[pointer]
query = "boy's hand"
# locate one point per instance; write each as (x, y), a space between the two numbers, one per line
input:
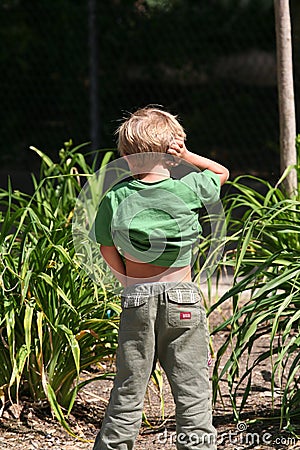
(178, 148)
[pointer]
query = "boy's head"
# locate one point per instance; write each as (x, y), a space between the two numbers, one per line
(148, 130)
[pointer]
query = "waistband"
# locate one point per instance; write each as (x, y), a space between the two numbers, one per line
(158, 287)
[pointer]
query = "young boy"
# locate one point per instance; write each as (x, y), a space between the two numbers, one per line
(146, 227)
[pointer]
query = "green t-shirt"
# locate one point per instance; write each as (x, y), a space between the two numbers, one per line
(156, 222)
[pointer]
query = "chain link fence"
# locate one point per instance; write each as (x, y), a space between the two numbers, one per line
(72, 69)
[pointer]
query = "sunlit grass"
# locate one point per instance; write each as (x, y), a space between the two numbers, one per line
(264, 225)
(53, 318)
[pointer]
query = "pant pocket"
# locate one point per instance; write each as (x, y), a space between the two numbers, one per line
(184, 308)
(135, 312)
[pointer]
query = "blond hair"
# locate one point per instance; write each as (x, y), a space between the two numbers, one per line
(148, 129)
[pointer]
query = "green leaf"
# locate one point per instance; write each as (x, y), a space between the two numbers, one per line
(57, 289)
(58, 411)
(73, 344)
(28, 326)
(43, 156)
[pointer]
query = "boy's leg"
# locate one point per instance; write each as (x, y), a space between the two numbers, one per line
(134, 362)
(183, 353)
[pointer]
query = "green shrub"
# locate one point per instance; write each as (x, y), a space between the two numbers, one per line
(54, 319)
(265, 226)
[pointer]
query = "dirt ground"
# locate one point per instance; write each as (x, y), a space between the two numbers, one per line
(37, 429)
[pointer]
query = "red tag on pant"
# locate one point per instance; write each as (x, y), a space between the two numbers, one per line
(185, 315)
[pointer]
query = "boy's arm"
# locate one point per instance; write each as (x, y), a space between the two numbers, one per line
(178, 148)
(113, 259)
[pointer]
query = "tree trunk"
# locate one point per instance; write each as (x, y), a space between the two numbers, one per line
(285, 83)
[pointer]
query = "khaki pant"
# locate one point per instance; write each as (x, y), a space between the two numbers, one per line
(164, 321)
